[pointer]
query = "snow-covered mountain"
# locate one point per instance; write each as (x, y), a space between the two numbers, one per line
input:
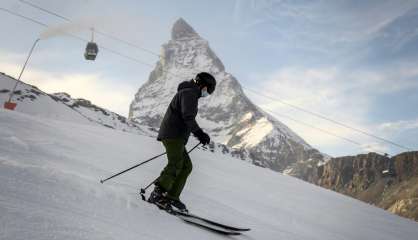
(61, 106)
(49, 189)
(228, 115)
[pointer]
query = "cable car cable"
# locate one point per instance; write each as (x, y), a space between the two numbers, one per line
(81, 39)
(324, 131)
(328, 119)
(22, 16)
(108, 35)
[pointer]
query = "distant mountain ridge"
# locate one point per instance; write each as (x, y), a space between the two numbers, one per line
(62, 106)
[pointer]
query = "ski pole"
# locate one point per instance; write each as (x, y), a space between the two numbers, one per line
(137, 165)
(143, 190)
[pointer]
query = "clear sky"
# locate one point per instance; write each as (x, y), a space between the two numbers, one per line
(352, 61)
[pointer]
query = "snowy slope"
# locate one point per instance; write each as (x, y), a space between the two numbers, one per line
(102, 116)
(228, 115)
(61, 106)
(31, 100)
(49, 189)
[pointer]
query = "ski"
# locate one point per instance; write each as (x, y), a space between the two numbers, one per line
(210, 222)
(203, 222)
(198, 222)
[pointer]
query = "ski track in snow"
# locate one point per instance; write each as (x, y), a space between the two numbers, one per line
(49, 189)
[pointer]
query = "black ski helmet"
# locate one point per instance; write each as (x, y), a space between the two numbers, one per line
(207, 80)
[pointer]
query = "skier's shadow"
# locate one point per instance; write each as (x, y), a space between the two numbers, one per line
(242, 236)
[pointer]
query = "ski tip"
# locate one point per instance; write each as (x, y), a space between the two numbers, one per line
(101, 181)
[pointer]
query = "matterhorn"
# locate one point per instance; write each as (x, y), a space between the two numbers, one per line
(227, 115)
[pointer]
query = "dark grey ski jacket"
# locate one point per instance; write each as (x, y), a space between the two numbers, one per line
(179, 119)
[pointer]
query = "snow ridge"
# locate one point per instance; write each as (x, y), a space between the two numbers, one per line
(61, 106)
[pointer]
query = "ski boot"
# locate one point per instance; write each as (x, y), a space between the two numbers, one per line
(159, 198)
(177, 205)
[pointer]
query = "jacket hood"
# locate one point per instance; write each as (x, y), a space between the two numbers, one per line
(187, 84)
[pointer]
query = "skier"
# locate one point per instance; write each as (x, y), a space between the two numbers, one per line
(179, 121)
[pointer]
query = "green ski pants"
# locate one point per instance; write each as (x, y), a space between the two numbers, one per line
(174, 175)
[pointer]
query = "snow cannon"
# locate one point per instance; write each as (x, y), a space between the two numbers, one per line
(91, 49)
(10, 105)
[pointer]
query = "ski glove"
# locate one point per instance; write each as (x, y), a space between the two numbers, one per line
(202, 136)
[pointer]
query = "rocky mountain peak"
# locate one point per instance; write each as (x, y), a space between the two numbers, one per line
(227, 115)
(182, 30)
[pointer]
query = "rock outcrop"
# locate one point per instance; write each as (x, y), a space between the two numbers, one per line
(389, 183)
